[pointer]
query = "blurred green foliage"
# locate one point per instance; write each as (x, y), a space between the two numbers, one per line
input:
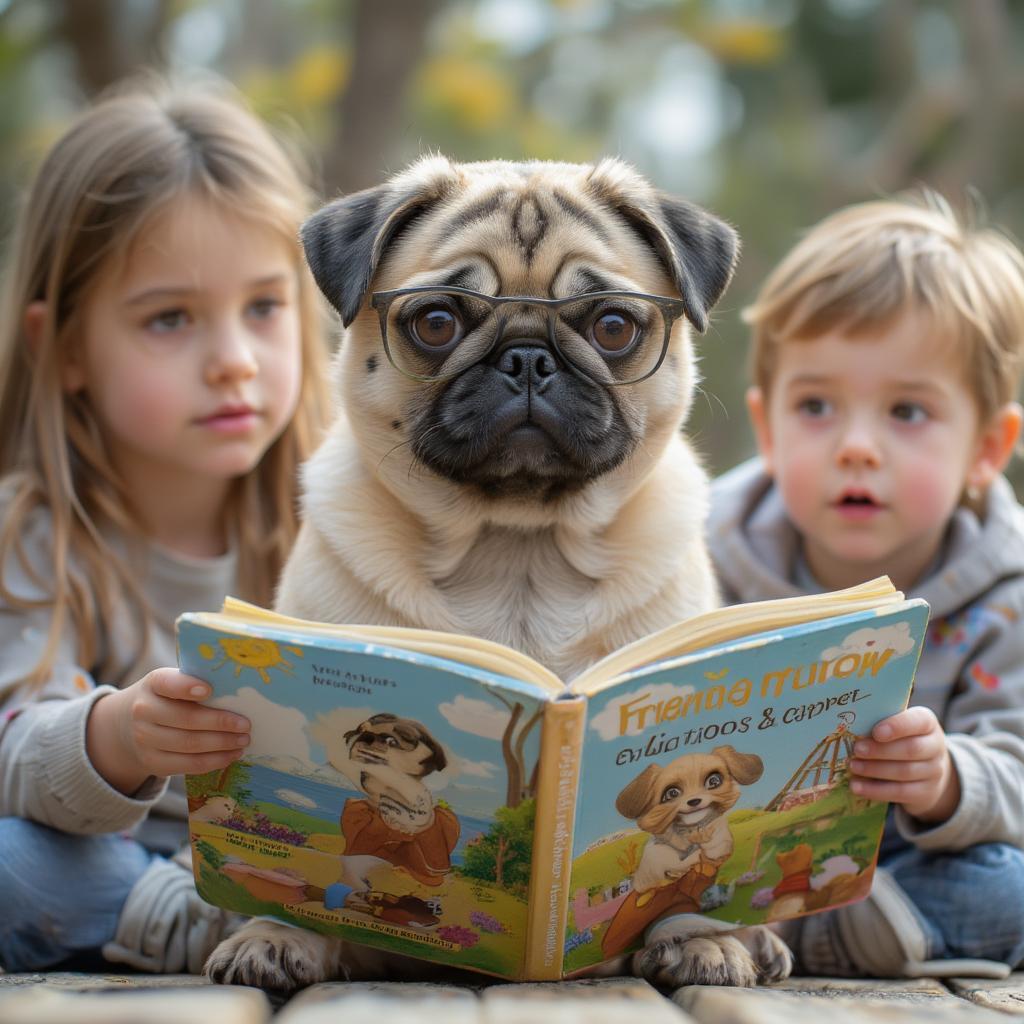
(769, 112)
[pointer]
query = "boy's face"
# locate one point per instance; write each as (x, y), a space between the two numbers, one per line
(872, 441)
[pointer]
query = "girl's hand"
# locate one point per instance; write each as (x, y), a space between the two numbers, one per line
(159, 726)
(906, 760)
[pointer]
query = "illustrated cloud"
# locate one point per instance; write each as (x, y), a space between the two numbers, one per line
(861, 641)
(476, 716)
(276, 731)
(607, 722)
(289, 796)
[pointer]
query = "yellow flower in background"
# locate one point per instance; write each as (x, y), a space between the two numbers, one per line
(476, 94)
(316, 78)
(319, 75)
(265, 90)
(743, 41)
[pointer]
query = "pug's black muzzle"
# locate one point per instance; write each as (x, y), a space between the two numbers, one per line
(522, 424)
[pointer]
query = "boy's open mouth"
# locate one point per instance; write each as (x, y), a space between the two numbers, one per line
(857, 501)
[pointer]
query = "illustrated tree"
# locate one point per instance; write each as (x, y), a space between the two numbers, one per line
(211, 855)
(502, 854)
(229, 781)
(513, 741)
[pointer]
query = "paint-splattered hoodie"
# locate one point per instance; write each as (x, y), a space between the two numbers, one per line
(971, 672)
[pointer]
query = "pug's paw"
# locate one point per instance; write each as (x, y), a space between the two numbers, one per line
(769, 952)
(269, 955)
(741, 958)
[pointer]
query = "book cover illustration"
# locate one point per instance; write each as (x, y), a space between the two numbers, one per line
(385, 797)
(421, 805)
(718, 785)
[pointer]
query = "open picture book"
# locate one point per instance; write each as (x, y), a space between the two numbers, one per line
(448, 798)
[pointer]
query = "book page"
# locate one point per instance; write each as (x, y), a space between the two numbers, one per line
(717, 785)
(467, 650)
(385, 797)
(732, 623)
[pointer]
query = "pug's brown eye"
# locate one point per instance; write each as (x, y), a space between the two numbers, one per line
(614, 331)
(436, 327)
(672, 793)
(713, 781)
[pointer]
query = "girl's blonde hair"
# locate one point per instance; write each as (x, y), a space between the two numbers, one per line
(860, 268)
(101, 184)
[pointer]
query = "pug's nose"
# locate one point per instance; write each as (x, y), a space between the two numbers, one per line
(527, 365)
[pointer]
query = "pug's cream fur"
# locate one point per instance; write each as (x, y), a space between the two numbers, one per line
(566, 555)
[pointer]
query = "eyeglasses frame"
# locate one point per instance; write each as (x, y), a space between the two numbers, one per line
(672, 310)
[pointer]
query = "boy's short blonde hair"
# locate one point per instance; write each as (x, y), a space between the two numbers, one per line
(861, 267)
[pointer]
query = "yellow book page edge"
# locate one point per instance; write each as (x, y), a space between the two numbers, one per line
(733, 623)
(551, 857)
(466, 650)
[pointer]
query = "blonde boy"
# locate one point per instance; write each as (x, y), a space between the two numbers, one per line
(887, 350)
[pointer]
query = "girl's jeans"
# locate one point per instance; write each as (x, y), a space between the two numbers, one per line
(971, 902)
(61, 894)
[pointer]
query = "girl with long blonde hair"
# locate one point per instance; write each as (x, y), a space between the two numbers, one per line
(161, 378)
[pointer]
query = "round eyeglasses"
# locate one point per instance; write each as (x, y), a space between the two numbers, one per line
(612, 337)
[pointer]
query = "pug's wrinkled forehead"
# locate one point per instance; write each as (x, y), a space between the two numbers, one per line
(538, 228)
(529, 238)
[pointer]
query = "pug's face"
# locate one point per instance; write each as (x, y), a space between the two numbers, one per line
(517, 402)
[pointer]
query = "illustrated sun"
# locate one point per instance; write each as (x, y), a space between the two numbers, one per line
(251, 652)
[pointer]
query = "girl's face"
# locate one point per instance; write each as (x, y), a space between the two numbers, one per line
(190, 349)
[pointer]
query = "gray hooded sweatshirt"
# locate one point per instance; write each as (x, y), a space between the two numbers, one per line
(971, 672)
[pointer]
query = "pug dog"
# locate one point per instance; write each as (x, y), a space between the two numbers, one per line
(508, 458)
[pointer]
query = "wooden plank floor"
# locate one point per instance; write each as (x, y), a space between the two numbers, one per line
(180, 999)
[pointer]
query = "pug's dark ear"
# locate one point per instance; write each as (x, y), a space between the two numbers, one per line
(704, 251)
(345, 240)
(698, 250)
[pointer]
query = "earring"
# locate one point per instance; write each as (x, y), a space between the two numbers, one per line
(973, 494)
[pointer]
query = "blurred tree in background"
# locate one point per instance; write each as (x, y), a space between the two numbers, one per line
(770, 112)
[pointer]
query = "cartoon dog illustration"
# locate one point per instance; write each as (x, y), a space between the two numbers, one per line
(398, 821)
(683, 806)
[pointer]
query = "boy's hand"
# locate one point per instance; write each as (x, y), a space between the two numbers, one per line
(906, 760)
(158, 726)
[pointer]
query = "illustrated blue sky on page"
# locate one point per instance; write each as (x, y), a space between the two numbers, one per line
(301, 709)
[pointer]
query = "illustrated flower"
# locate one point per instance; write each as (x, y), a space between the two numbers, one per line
(762, 898)
(459, 935)
(260, 825)
(578, 939)
(485, 922)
